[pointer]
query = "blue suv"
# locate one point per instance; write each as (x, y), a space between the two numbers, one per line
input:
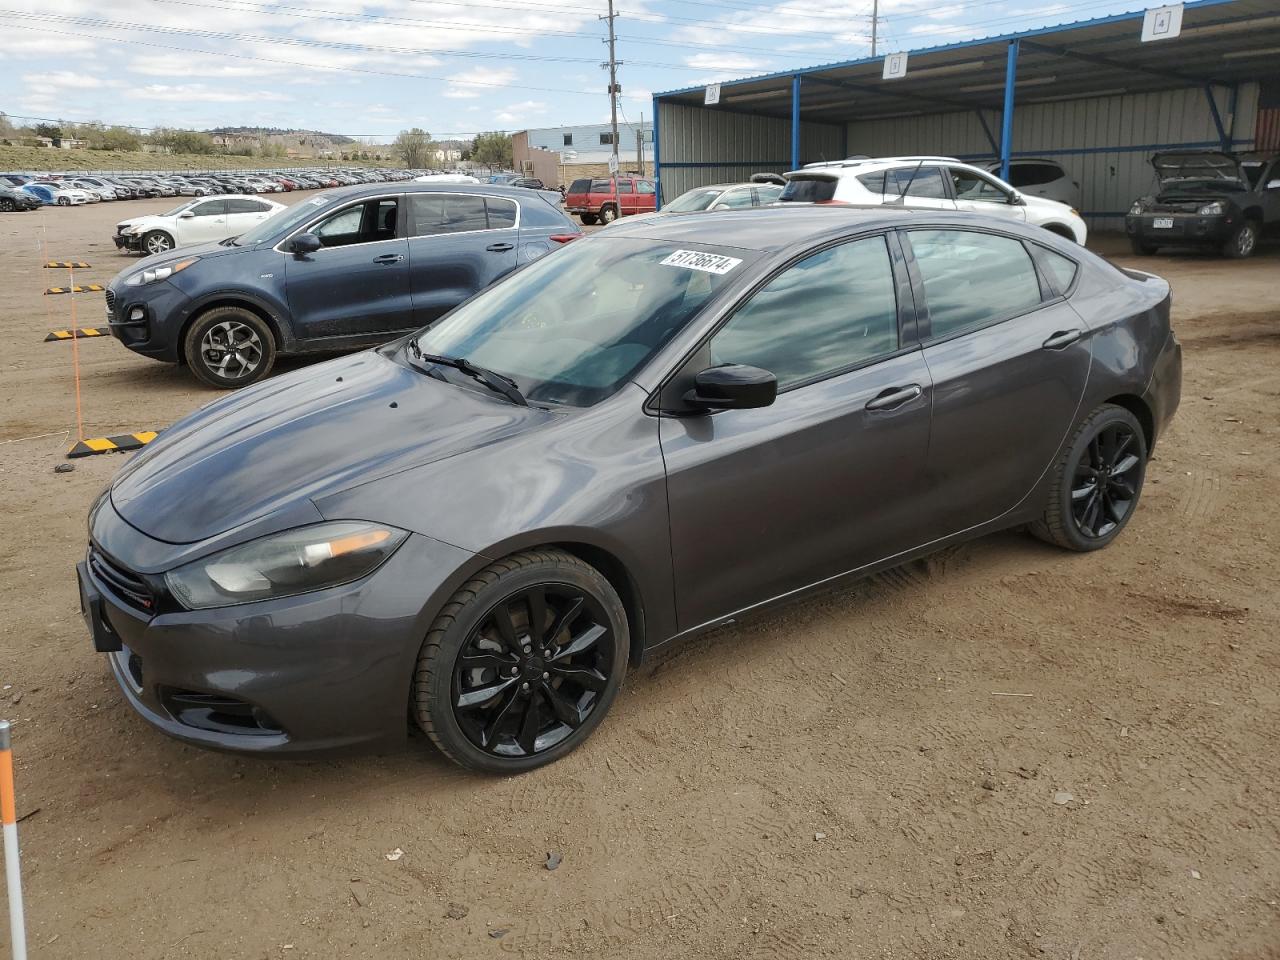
(347, 269)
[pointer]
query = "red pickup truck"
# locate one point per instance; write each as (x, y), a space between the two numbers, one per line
(598, 201)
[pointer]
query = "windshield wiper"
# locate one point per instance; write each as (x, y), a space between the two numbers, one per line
(494, 381)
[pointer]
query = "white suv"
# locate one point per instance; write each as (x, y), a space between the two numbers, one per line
(940, 183)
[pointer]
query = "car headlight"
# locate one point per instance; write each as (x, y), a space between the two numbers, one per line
(285, 564)
(1215, 208)
(158, 273)
(1137, 208)
(135, 230)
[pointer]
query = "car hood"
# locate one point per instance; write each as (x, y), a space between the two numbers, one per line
(1045, 204)
(204, 251)
(149, 220)
(302, 436)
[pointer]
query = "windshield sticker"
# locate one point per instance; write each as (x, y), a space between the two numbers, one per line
(696, 260)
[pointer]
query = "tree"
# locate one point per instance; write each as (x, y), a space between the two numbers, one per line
(413, 147)
(48, 130)
(492, 150)
(6, 128)
(183, 141)
(121, 138)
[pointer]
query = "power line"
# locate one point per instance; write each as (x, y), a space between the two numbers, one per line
(447, 135)
(297, 63)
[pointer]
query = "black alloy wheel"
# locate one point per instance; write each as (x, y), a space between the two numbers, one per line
(1097, 483)
(1243, 242)
(1105, 487)
(6, 205)
(532, 671)
(523, 663)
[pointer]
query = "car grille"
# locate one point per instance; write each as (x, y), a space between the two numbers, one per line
(111, 299)
(218, 713)
(1170, 206)
(125, 584)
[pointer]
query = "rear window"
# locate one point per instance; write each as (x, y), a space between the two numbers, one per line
(580, 186)
(538, 213)
(873, 181)
(807, 190)
(1033, 174)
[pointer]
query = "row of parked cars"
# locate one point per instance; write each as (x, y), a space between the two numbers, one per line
(76, 189)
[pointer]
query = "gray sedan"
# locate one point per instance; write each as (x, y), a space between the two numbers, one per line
(645, 434)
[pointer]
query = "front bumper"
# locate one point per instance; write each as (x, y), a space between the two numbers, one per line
(1185, 228)
(124, 241)
(163, 309)
(325, 671)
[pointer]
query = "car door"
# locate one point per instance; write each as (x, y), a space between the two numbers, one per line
(1269, 190)
(979, 193)
(245, 213)
(459, 243)
(1009, 359)
(766, 501)
(357, 284)
(207, 221)
(646, 196)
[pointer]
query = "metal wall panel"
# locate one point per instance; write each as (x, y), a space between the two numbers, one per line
(1105, 143)
(697, 146)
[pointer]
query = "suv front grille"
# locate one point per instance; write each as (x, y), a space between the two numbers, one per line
(111, 300)
(125, 584)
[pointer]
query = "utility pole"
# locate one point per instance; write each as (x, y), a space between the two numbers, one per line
(614, 89)
(640, 146)
(875, 22)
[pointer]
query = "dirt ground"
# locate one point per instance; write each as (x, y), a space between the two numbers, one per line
(850, 777)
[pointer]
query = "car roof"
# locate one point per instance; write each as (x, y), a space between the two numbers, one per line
(779, 227)
(414, 186)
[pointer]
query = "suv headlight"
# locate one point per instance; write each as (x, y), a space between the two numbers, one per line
(158, 273)
(285, 564)
(1214, 208)
(1137, 208)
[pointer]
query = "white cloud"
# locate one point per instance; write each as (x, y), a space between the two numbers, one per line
(469, 84)
(62, 80)
(728, 62)
(202, 93)
(520, 112)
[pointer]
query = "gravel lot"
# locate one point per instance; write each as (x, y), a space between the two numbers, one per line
(837, 779)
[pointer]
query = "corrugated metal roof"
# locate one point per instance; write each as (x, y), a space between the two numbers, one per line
(1222, 41)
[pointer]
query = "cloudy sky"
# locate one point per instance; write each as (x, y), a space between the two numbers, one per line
(373, 68)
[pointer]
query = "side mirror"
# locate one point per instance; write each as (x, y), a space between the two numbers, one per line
(186, 215)
(305, 243)
(733, 386)
(1273, 185)
(1017, 200)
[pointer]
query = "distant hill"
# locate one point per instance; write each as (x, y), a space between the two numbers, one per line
(279, 132)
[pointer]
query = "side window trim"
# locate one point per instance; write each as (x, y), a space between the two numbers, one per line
(1048, 279)
(412, 233)
(926, 338)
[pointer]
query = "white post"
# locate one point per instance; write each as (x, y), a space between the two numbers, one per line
(12, 872)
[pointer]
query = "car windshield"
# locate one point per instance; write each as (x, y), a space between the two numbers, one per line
(575, 325)
(693, 200)
(282, 221)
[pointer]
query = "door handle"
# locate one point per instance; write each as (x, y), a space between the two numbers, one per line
(894, 397)
(500, 247)
(389, 258)
(1063, 338)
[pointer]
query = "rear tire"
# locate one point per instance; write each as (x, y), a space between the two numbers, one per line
(548, 684)
(1243, 242)
(229, 347)
(588, 219)
(1097, 483)
(6, 205)
(1141, 248)
(608, 213)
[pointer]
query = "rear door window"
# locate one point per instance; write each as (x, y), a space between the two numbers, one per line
(915, 182)
(809, 190)
(436, 213)
(602, 186)
(502, 213)
(971, 279)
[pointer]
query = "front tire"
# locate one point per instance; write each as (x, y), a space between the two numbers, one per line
(229, 347)
(157, 241)
(6, 205)
(1097, 483)
(522, 663)
(64, 202)
(1243, 242)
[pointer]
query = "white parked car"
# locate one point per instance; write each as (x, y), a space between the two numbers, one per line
(941, 183)
(202, 220)
(95, 191)
(716, 196)
(1040, 178)
(47, 192)
(68, 187)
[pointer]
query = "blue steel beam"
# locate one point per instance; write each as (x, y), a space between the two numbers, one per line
(657, 163)
(986, 128)
(1223, 137)
(1006, 121)
(795, 122)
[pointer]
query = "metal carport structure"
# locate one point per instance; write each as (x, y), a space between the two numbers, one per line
(1089, 91)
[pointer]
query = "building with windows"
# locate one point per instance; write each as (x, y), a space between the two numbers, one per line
(557, 155)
